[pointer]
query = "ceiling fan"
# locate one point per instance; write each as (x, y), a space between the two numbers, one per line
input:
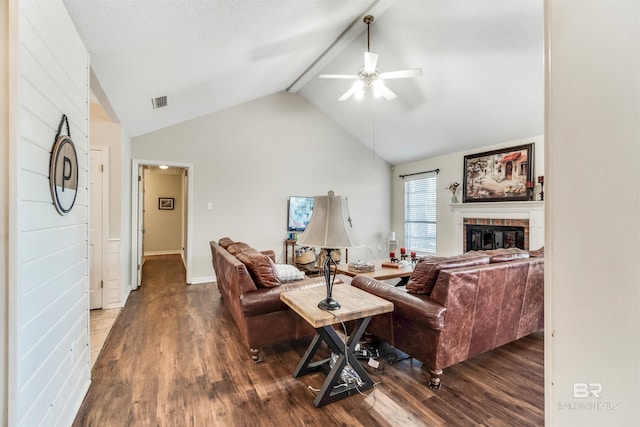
(369, 77)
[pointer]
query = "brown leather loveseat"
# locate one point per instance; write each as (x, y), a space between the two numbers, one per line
(251, 291)
(463, 309)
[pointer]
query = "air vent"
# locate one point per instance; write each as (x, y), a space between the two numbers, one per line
(159, 102)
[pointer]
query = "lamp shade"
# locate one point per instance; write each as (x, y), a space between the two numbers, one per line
(329, 226)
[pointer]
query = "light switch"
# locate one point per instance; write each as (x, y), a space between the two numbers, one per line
(209, 205)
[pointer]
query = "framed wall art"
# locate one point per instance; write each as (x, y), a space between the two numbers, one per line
(498, 176)
(165, 203)
(63, 170)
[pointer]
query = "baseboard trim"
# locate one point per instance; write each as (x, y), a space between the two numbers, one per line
(125, 296)
(112, 305)
(172, 252)
(202, 279)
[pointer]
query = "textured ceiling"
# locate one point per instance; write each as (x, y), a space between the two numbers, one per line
(482, 64)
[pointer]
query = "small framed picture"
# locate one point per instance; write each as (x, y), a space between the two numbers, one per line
(165, 203)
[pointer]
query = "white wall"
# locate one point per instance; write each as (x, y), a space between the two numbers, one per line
(451, 169)
(4, 200)
(592, 279)
(49, 353)
(105, 133)
(163, 228)
(249, 159)
(105, 130)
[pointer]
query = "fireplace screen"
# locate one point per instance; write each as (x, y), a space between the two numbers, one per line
(486, 237)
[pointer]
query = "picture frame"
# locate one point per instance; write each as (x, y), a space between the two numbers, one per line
(499, 175)
(165, 203)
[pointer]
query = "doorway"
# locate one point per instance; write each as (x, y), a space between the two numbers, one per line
(163, 206)
(163, 211)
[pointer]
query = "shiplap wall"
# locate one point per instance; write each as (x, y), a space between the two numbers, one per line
(52, 362)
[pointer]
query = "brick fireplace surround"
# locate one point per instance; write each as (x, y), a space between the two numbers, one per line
(529, 215)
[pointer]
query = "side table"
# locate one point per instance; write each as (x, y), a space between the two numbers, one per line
(290, 243)
(380, 272)
(357, 305)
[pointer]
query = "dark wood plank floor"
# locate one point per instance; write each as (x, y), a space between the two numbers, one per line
(174, 359)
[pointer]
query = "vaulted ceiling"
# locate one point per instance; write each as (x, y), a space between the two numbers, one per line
(482, 63)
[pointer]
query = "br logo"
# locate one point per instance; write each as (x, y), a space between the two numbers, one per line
(584, 390)
(63, 171)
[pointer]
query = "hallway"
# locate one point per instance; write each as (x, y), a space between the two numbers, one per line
(149, 369)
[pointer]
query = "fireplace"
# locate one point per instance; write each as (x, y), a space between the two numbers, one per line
(487, 237)
(492, 233)
(506, 218)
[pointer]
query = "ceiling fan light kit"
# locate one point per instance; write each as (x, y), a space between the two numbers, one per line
(369, 77)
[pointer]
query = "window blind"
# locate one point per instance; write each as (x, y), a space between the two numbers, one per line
(420, 221)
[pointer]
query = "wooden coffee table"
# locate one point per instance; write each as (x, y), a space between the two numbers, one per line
(380, 272)
(356, 304)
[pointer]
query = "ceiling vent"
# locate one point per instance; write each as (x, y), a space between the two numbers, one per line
(159, 102)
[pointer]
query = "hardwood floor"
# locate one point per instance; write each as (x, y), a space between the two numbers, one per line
(174, 358)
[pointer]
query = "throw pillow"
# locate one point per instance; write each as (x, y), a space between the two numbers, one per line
(424, 275)
(432, 266)
(288, 273)
(236, 247)
(225, 242)
(261, 268)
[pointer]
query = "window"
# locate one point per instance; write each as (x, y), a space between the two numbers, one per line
(420, 213)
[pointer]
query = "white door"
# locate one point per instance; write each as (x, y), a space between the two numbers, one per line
(95, 227)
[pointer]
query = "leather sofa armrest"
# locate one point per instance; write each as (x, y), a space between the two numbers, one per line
(417, 307)
(270, 253)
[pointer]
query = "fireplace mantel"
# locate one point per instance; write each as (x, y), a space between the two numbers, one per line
(533, 211)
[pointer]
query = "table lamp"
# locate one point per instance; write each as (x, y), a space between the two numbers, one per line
(329, 228)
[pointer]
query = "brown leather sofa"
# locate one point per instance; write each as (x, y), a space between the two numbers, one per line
(262, 318)
(470, 310)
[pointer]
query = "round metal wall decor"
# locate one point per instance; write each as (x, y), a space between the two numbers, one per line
(63, 171)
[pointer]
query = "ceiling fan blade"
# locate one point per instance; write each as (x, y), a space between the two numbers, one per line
(337, 76)
(401, 74)
(370, 62)
(347, 94)
(387, 93)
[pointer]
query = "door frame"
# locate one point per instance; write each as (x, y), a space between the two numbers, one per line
(135, 211)
(104, 229)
